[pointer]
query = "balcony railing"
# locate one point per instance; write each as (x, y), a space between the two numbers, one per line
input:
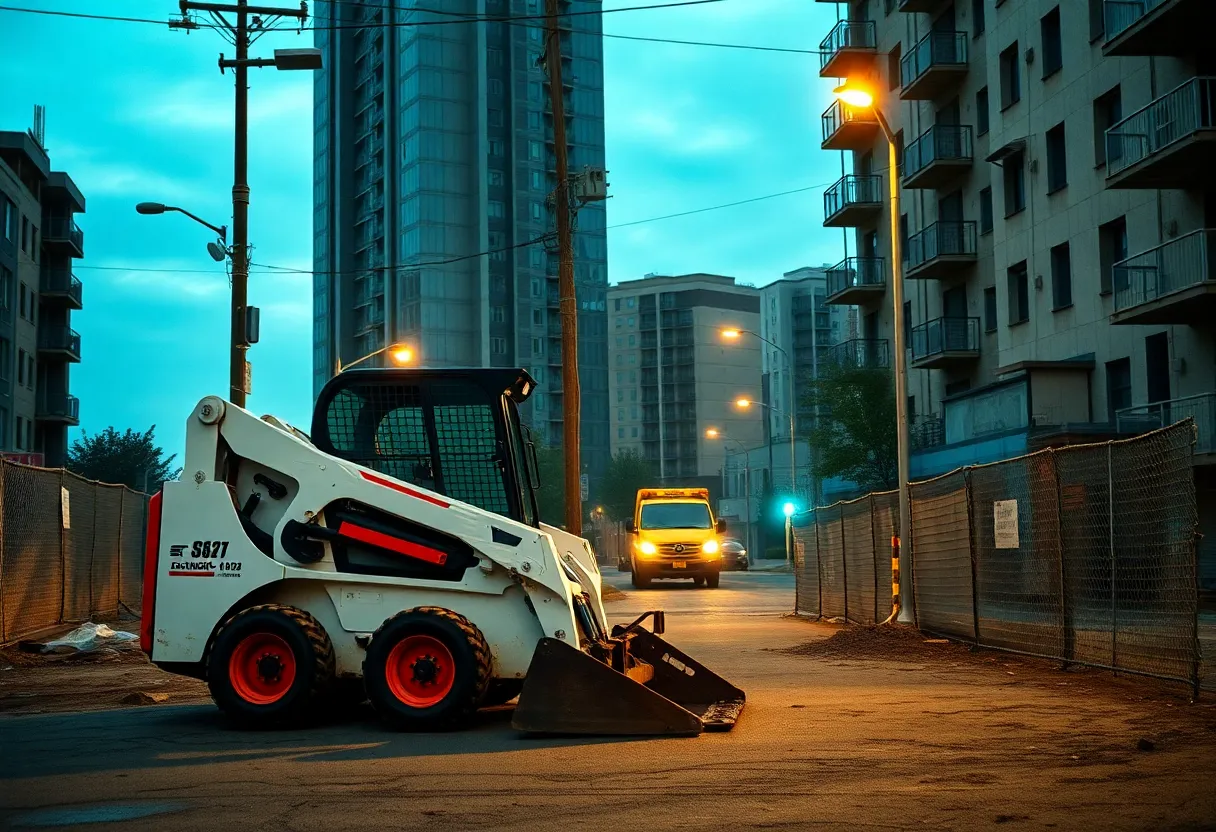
(1164, 271)
(59, 339)
(1145, 417)
(1153, 131)
(851, 197)
(862, 353)
(941, 152)
(61, 283)
(927, 430)
(856, 275)
(934, 62)
(1156, 27)
(58, 407)
(851, 45)
(65, 231)
(942, 239)
(946, 336)
(848, 128)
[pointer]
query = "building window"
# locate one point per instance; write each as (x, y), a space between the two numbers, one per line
(986, 211)
(1011, 78)
(990, 309)
(1057, 159)
(631, 320)
(20, 434)
(893, 60)
(631, 302)
(495, 86)
(6, 288)
(538, 317)
(534, 150)
(1112, 248)
(538, 346)
(1019, 293)
(29, 371)
(537, 180)
(23, 295)
(633, 433)
(496, 118)
(1015, 184)
(493, 57)
(20, 368)
(498, 346)
(496, 148)
(1118, 386)
(977, 15)
(496, 177)
(633, 340)
(907, 321)
(981, 112)
(616, 305)
(496, 209)
(6, 358)
(3, 427)
(620, 322)
(1053, 47)
(1061, 277)
(10, 221)
(1108, 111)
(537, 288)
(537, 211)
(620, 433)
(25, 234)
(498, 314)
(1097, 19)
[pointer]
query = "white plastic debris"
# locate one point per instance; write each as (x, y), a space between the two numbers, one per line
(88, 637)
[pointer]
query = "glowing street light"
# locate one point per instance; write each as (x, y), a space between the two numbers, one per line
(854, 96)
(400, 354)
(788, 509)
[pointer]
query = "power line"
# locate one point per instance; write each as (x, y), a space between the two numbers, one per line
(265, 268)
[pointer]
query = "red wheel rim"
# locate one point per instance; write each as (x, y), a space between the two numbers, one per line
(262, 668)
(420, 671)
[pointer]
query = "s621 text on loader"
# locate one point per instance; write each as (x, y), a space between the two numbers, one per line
(395, 552)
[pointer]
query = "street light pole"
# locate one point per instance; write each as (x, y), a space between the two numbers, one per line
(732, 334)
(857, 97)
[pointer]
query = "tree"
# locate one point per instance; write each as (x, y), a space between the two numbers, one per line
(854, 437)
(627, 472)
(131, 459)
(551, 496)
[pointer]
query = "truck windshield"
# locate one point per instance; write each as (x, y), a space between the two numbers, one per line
(676, 516)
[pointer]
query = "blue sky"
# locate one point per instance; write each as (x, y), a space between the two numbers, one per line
(139, 112)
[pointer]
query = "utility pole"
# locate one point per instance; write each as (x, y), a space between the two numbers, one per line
(565, 282)
(238, 33)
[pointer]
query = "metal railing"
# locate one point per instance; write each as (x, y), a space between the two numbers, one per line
(58, 405)
(944, 238)
(1167, 268)
(936, 49)
(1121, 15)
(848, 34)
(928, 430)
(61, 281)
(60, 338)
(856, 273)
(940, 143)
(852, 190)
(838, 115)
(862, 353)
(1142, 418)
(1179, 113)
(63, 230)
(945, 334)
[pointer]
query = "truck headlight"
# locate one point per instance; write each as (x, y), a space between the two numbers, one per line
(647, 548)
(710, 547)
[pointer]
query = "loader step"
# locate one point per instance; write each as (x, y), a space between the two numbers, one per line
(721, 716)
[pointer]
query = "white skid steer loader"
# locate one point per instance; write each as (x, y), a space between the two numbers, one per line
(395, 553)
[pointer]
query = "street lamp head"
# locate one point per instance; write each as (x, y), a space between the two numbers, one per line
(401, 354)
(712, 433)
(287, 59)
(731, 334)
(854, 95)
(788, 509)
(150, 208)
(218, 253)
(743, 403)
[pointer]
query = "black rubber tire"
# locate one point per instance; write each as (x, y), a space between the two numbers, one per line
(712, 580)
(314, 658)
(502, 691)
(473, 670)
(698, 581)
(639, 579)
(625, 566)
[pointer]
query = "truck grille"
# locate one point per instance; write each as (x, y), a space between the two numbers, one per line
(671, 550)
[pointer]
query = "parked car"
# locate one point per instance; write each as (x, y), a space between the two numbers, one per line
(734, 554)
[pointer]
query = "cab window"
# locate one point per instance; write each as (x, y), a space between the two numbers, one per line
(676, 516)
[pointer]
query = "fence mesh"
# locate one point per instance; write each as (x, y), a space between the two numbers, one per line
(1085, 553)
(52, 575)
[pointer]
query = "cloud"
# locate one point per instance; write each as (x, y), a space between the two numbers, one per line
(208, 105)
(177, 280)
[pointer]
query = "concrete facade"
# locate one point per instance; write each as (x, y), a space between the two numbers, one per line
(433, 167)
(39, 239)
(673, 376)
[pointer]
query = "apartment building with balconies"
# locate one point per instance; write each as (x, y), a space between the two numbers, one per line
(39, 240)
(672, 375)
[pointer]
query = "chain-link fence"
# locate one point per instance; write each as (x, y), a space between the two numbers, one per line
(70, 549)
(1084, 554)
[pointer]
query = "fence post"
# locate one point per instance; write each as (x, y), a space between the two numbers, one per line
(844, 563)
(93, 550)
(875, 550)
(1110, 514)
(122, 499)
(1065, 611)
(3, 620)
(972, 534)
(63, 564)
(818, 568)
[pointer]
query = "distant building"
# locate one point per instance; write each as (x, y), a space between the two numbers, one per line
(39, 239)
(672, 376)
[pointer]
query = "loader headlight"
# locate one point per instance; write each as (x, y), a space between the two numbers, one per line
(710, 547)
(647, 548)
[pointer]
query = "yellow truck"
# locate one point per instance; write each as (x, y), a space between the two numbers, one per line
(673, 535)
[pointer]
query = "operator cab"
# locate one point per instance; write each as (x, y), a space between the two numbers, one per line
(456, 432)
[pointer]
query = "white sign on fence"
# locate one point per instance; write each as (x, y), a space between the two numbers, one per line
(1005, 524)
(65, 507)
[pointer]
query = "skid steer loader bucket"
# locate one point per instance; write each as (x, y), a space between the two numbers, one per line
(662, 692)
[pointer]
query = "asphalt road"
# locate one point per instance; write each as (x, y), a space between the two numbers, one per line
(823, 743)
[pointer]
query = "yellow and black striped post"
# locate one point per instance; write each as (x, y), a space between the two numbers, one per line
(894, 578)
